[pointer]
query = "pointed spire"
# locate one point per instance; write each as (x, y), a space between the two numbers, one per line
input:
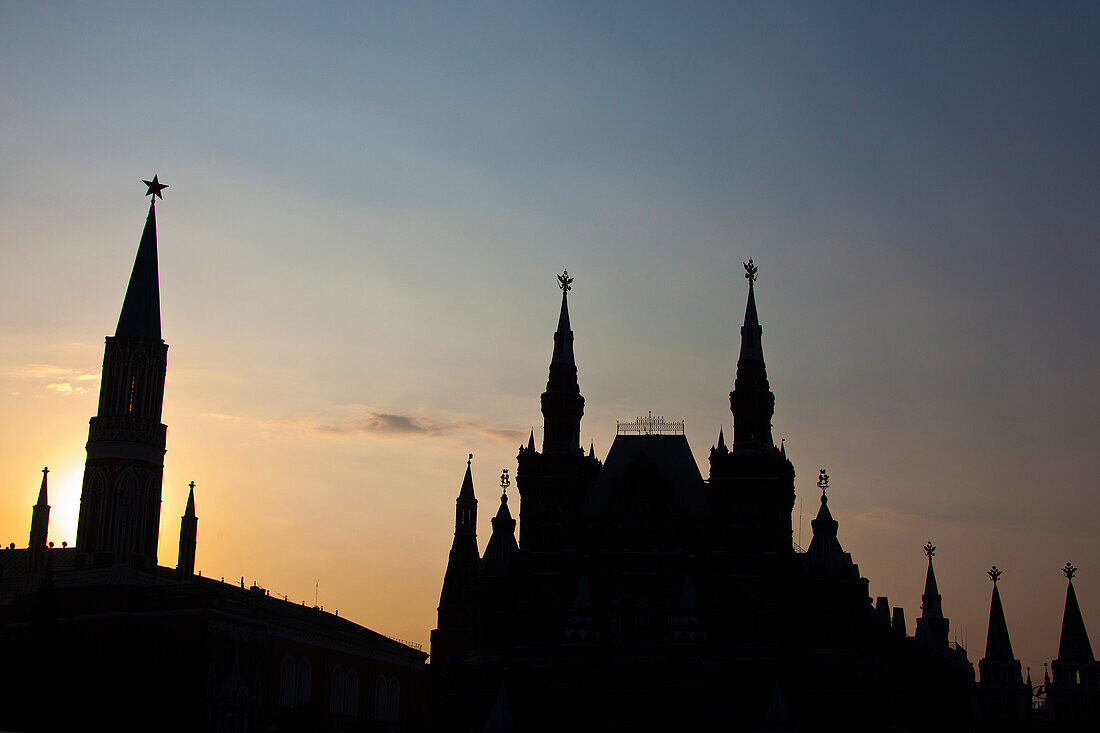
(562, 403)
(998, 647)
(721, 439)
(825, 550)
(931, 601)
(1073, 646)
(592, 449)
(783, 448)
(751, 348)
(751, 400)
(189, 512)
(189, 531)
(140, 316)
(563, 337)
(531, 441)
(42, 489)
(467, 490)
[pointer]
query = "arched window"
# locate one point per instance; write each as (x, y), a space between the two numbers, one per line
(336, 697)
(394, 699)
(286, 682)
(351, 694)
(380, 689)
(302, 684)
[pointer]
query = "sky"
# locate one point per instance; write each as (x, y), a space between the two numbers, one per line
(369, 203)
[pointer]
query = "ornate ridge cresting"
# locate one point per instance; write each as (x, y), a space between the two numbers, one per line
(649, 425)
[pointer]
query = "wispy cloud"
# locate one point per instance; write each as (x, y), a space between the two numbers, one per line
(365, 422)
(59, 379)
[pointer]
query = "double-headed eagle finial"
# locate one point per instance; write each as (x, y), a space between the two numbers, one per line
(750, 270)
(564, 281)
(823, 482)
(1069, 571)
(929, 549)
(994, 574)
(505, 482)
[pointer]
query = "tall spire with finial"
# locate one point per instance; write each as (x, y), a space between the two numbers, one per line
(120, 499)
(751, 400)
(40, 523)
(932, 618)
(1073, 645)
(456, 600)
(140, 316)
(189, 532)
(998, 646)
(562, 403)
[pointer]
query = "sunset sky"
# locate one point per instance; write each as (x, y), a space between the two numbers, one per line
(369, 203)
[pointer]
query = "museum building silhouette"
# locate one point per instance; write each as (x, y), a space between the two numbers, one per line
(99, 635)
(640, 596)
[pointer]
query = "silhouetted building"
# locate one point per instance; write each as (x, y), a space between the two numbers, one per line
(641, 596)
(99, 635)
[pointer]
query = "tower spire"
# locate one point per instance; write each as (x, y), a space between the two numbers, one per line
(121, 494)
(1073, 645)
(931, 617)
(751, 400)
(502, 547)
(40, 523)
(189, 530)
(140, 316)
(998, 647)
(562, 403)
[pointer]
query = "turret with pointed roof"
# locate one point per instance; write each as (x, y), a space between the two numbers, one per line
(501, 548)
(562, 403)
(999, 666)
(40, 522)
(1075, 656)
(932, 623)
(120, 499)
(189, 531)
(825, 555)
(456, 601)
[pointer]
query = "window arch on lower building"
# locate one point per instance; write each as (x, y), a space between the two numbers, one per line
(381, 708)
(303, 683)
(336, 695)
(351, 693)
(286, 682)
(394, 700)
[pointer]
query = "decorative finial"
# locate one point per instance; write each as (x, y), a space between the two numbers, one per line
(45, 470)
(823, 482)
(155, 187)
(564, 281)
(929, 550)
(470, 459)
(750, 270)
(1069, 571)
(505, 482)
(994, 574)
(191, 485)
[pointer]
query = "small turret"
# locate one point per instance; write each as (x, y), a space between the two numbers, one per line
(501, 548)
(932, 622)
(189, 530)
(999, 665)
(40, 523)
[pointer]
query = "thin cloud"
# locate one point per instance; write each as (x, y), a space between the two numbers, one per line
(59, 379)
(388, 425)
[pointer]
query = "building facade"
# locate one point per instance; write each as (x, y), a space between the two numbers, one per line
(640, 596)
